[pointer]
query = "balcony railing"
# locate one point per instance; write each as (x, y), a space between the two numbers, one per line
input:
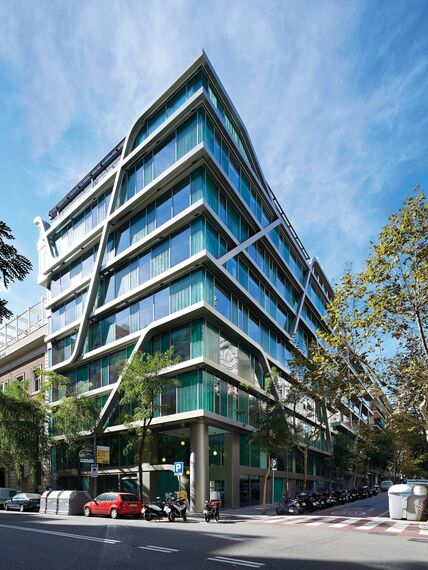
(22, 325)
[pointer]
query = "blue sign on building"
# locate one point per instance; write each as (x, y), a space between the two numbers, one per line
(178, 468)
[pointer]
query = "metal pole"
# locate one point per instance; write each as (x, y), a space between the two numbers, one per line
(95, 460)
(273, 488)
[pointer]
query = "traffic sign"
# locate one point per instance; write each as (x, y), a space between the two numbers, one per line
(94, 470)
(274, 464)
(178, 468)
(103, 454)
(86, 456)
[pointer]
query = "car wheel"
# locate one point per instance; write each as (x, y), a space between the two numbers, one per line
(171, 517)
(21, 508)
(148, 517)
(114, 514)
(87, 512)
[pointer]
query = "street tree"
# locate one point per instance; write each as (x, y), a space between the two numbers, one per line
(74, 419)
(391, 295)
(143, 381)
(273, 433)
(23, 438)
(13, 266)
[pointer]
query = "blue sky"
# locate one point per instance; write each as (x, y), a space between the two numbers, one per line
(333, 94)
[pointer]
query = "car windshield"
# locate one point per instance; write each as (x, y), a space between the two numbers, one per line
(129, 497)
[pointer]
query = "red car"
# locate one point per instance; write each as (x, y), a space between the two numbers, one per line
(114, 505)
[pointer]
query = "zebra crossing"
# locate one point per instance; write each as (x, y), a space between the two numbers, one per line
(372, 525)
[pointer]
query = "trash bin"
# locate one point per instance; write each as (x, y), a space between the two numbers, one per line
(71, 502)
(416, 502)
(44, 501)
(52, 503)
(397, 497)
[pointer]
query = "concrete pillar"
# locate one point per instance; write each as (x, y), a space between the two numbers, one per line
(199, 478)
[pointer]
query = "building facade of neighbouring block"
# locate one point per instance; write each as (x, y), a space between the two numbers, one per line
(175, 238)
(22, 354)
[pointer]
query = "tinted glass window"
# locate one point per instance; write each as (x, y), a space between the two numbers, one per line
(161, 303)
(164, 157)
(163, 211)
(129, 497)
(101, 498)
(112, 497)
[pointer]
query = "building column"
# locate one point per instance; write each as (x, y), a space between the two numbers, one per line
(199, 478)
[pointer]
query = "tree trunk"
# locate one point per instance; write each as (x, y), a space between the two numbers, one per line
(304, 448)
(305, 469)
(286, 472)
(140, 465)
(424, 411)
(265, 486)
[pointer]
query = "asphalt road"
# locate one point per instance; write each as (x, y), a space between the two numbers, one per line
(47, 542)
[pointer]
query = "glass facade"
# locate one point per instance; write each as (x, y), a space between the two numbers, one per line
(178, 247)
(73, 274)
(76, 229)
(236, 317)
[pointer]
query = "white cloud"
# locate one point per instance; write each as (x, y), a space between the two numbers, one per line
(330, 110)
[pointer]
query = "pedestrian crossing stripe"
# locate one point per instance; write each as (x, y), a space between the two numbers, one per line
(377, 524)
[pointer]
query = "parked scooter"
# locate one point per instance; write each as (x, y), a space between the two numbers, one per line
(175, 508)
(212, 510)
(154, 510)
(289, 506)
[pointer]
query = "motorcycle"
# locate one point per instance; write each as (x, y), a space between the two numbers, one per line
(290, 506)
(154, 510)
(175, 509)
(212, 510)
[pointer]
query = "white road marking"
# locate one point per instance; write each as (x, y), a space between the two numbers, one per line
(295, 520)
(224, 536)
(276, 520)
(322, 521)
(369, 525)
(424, 532)
(397, 527)
(159, 549)
(63, 534)
(236, 561)
(343, 523)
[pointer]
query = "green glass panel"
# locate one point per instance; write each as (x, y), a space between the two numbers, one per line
(197, 338)
(197, 278)
(208, 391)
(209, 289)
(197, 239)
(187, 392)
(180, 294)
(244, 450)
(196, 185)
(186, 137)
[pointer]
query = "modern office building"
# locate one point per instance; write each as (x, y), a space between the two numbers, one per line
(175, 238)
(22, 353)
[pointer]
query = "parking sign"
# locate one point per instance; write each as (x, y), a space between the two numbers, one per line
(178, 468)
(274, 465)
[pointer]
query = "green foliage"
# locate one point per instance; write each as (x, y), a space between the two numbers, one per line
(142, 384)
(141, 387)
(389, 299)
(74, 418)
(273, 431)
(23, 437)
(13, 266)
